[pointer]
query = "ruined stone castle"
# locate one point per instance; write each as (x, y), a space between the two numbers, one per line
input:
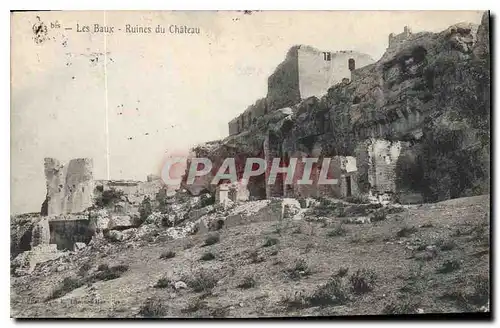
(306, 72)
(375, 119)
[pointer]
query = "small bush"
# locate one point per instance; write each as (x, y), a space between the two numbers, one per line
(102, 267)
(446, 245)
(145, 209)
(84, 268)
(334, 292)
(270, 242)
(481, 291)
(188, 245)
(219, 312)
(218, 225)
(401, 306)
(167, 255)
(163, 283)
(363, 281)
(471, 301)
(208, 256)
(202, 281)
(255, 257)
(108, 197)
(212, 239)
(309, 247)
(327, 208)
(153, 308)
(68, 284)
(338, 231)
(406, 232)
(378, 216)
(205, 201)
(110, 273)
(296, 300)
(342, 272)
(298, 270)
(194, 305)
(248, 282)
(449, 266)
(458, 232)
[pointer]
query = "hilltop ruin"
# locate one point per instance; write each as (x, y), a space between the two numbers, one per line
(394, 119)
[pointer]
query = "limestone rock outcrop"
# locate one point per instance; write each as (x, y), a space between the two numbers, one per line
(427, 99)
(69, 187)
(26, 262)
(482, 45)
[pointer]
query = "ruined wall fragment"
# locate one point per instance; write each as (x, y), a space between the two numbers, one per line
(377, 161)
(69, 187)
(40, 235)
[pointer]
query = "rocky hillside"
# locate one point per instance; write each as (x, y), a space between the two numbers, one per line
(325, 257)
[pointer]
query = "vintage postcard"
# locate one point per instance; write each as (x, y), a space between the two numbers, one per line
(250, 164)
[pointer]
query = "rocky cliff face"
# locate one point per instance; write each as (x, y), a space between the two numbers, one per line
(430, 92)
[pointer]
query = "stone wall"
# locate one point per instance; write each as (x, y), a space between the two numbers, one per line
(248, 117)
(69, 187)
(306, 72)
(283, 85)
(341, 168)
(377, 162)
(65, 233)
(134, 191)
(318, 70)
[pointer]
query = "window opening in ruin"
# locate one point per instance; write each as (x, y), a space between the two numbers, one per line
(327, 56)
(348, 185)
(352, 64)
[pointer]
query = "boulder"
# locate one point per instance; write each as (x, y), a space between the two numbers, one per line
(79, 246)
(115, 235)
(291, 207)
(146, 230)
(121, 222)
(26, 262)
(198, 213)
(255, 211)
(180, 285)
(181, 231)
(357, 220)
(155, 218)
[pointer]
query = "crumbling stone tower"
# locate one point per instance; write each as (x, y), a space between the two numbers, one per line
(69, 187)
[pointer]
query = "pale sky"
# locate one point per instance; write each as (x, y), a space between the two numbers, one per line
(162, 91)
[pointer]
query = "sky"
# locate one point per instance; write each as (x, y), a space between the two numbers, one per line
(124, 99)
